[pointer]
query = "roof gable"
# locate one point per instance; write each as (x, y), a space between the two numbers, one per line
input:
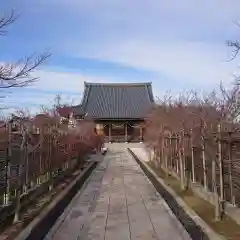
(117, 100)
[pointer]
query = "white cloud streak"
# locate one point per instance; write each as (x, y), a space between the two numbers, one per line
(69, 85)
(181, 40)
(184, 62)
(51, 81)
(61, 80)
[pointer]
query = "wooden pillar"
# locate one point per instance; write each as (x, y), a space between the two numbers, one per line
(110, 132)
(126, 132)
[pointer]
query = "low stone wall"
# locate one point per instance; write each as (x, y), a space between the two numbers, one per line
(40, 226)
(232, 211)
(143, 153)
(7, 212)
(194, 230)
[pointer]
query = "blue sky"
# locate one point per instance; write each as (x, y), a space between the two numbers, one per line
(177, 45)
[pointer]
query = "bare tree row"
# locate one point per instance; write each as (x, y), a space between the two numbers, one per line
(38, 150)
(197, 139)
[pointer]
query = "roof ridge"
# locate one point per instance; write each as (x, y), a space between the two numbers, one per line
(150, 93)
(85, 95)
(146, 89)
(117, 84)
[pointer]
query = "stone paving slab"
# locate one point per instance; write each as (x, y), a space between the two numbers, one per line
(119, 202)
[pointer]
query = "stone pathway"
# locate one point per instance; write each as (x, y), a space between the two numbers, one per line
(118, 203)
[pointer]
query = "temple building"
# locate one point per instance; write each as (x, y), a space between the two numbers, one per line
(118, 109)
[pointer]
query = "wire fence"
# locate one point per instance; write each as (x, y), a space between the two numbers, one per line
(209, 156)
(29, 159)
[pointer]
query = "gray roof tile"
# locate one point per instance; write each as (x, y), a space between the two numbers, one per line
(117, 101)
(78, 110)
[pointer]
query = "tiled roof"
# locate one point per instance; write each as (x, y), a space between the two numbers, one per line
(117, 101)
(78, 110)
(64, 111)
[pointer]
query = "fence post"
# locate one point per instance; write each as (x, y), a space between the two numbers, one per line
(25, 187)
(6, 199)
(174, 153)
(165, 153)
(182, 176)
(50, 187)
(230, 169)
(161, 151)
(177, 152)
(20, 183)
(192, 153)
(41, 136)
(155, 160)
(216, 196)
(204, 161)
(220, 161)
(170, 153)
(183, 154)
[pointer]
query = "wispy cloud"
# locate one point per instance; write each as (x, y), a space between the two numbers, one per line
(68, 85)
(175, 44)
(184, 62)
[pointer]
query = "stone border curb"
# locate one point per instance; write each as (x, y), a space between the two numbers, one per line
(205, 228)
(35, 226)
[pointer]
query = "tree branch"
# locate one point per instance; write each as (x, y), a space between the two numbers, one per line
(235, 45)
(19, 74)
(6, 21)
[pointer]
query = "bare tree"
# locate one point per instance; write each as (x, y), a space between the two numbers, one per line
(230, 102)
(5, 21)
(188, 118)
(18, 74)
(235, 45)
